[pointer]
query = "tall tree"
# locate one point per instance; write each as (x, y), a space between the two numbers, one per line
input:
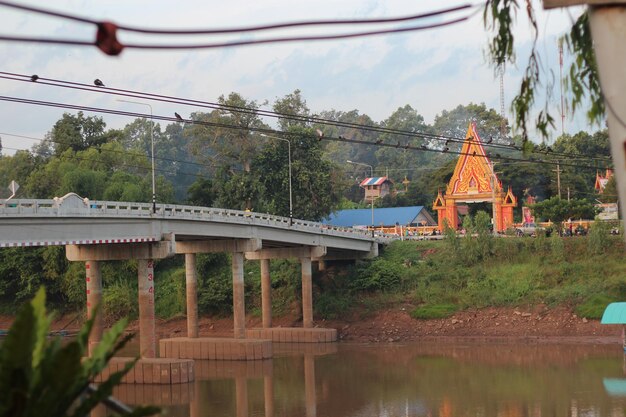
(228, 137)
(292, 104)
(401, 161)
(77, 132)
(454, 123)
(315, 181)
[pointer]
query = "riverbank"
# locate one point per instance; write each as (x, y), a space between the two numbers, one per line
(539, 323)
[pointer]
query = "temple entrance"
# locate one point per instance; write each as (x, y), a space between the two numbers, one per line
(474, 181)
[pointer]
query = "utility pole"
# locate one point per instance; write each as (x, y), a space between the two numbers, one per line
(558, 177)
(568, 194)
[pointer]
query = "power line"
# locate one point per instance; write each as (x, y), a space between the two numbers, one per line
(107, 41)
(126, 153)
(267, 113)
(366, 21)
(271, 131)
(145, 168)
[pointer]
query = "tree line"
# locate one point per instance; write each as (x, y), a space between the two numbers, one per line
(224, 162)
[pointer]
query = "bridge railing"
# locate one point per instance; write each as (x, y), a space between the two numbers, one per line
(77, 207)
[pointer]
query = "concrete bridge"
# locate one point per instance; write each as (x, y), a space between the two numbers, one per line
(96, 231)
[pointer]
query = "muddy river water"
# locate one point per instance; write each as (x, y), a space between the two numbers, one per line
(441, 379)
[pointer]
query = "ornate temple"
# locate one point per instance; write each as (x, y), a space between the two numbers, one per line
(474, 181)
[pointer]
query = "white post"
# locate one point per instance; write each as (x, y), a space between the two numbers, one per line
(608, 29)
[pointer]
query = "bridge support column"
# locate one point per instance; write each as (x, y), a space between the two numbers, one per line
(307, 293)
(239, 307)
(147, 333)
(93, 278)
(192, 294)
(266, 293)
(321, 265)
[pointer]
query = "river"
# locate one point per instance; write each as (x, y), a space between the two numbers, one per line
(438, 379)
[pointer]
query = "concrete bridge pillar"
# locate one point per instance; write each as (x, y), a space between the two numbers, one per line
(147, 333)
(307, 293)
(192, 294)
(239, 308)
(266, 293)
(93, 278)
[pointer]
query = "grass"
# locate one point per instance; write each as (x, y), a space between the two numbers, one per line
(434, 311)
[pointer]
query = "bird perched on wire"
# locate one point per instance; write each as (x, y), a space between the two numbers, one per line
(179, 117)
(34, 77)
(98, 83)
(444, 150)
(379, 141)
(490, 139)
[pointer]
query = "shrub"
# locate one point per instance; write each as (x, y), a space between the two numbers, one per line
(44, 377)
(120, 300)
(379, 274)
(594, 306)
(434, 311)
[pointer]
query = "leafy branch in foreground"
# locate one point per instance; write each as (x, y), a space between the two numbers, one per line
(582, 79)
(45, 377)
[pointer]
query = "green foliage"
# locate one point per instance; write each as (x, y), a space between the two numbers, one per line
(215, 284)
(599, 237)
(434, 311)
(594, 306)
(379, 274)
(41, 376)
(333, 305)
(170, 293)
(583, 79)
(559, 210)
(119, 299)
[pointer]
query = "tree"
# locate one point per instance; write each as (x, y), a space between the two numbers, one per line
(201, 193)
(406, 119)
(454, 123)
(582, 77)
(558, 210)
(315, 181)
(292, 104)
(77, 132)
(340, 152)
(226, 137)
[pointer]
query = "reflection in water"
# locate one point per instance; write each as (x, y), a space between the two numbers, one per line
(414, 380)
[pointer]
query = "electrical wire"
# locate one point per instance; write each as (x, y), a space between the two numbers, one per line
(145, 168)
(244, 29)
(107, 41)
(275, 132)
(125, 153)
(237, 43)
(267, 113)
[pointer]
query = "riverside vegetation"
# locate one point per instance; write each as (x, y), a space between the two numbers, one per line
(439, 277)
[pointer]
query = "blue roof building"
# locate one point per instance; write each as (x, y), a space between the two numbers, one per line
(389, 216)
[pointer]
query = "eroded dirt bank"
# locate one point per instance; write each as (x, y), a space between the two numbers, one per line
(538, 323)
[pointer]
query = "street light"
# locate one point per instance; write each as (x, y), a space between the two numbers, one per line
(289, 159)
(371, 176)
(152, 152)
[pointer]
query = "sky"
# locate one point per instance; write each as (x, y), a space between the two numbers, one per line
(430, 70)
